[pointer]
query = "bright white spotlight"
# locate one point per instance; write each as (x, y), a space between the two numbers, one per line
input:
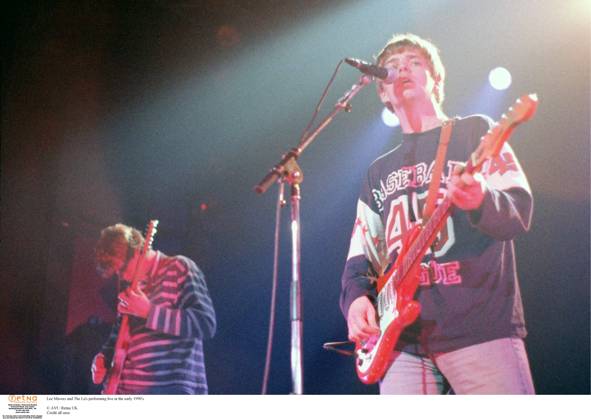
(499, 78)
(389, 118)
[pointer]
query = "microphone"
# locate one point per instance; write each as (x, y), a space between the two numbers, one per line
(384, 74)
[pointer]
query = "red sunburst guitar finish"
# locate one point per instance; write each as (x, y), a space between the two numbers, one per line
(396, 307)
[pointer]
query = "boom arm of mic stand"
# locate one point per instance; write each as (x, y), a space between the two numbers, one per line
(280, 168)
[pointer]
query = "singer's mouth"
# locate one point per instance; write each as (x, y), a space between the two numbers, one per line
(403, 83)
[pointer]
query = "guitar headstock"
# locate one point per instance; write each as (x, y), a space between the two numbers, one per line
(151, 231)
(492, 142)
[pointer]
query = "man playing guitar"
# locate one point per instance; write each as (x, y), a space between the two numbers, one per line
(170, 313)
(470, 329)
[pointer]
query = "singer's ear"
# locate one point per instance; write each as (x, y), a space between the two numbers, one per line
(436, 88)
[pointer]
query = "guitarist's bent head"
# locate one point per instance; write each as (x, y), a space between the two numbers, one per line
(116, 247)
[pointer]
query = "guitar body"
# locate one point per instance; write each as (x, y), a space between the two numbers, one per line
(396, 310)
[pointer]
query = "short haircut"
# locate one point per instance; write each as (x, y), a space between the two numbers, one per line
(403, 41)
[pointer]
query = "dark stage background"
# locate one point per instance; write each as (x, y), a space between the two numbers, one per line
(130, 110)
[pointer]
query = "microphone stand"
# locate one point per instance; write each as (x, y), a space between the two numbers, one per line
(287, 170)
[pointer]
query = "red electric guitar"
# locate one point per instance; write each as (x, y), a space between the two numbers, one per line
(396, 307)
(122, 344)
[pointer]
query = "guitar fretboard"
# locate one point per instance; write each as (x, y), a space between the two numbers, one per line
(425, 238)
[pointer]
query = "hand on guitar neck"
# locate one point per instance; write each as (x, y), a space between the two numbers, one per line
(361, 320)
(134, 302)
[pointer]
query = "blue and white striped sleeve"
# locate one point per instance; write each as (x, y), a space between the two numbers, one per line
(193, 315)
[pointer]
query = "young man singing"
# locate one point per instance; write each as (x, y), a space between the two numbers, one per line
(470, 330)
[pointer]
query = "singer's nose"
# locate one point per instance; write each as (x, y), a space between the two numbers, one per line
(402, 68)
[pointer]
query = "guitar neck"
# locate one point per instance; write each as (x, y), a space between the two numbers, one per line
(135, 280)
(150, 232)
(425, 238)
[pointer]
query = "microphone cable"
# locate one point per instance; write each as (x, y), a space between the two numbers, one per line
(280, 204)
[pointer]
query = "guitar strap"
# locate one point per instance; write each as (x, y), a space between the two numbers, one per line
(434, 185)
(437, 169)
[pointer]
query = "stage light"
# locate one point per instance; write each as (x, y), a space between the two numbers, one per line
(389, 118)
(499, 78)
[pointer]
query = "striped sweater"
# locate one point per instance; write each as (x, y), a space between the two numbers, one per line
(166, 349)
